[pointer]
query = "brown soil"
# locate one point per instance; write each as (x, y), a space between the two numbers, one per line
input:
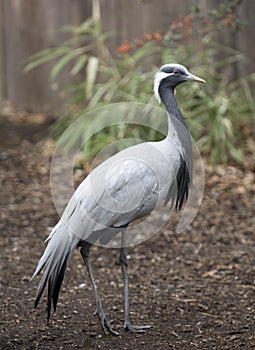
(196, 289)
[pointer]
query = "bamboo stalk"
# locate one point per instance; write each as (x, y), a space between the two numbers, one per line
(96, 14)
(2, 53)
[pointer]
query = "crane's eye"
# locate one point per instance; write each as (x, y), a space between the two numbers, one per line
(177, 73)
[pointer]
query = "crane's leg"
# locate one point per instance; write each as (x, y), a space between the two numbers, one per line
(124, 264)
(100, 311)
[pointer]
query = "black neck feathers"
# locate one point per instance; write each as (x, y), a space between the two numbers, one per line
(166, 93)
(184, 173)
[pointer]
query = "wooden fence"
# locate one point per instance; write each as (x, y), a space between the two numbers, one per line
(27, 26)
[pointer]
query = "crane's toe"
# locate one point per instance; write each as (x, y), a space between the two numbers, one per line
(136, 329)
(105, 324)
(108, 329)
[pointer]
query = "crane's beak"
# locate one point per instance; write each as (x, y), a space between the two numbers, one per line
(191, 77)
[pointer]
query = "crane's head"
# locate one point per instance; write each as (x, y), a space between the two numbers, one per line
(170, 75)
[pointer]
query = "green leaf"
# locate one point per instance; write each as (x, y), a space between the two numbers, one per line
(44, 57)
(79, 65)
(60, 65)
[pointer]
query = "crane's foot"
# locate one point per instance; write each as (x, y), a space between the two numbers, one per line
(105, 324)
(136, 329)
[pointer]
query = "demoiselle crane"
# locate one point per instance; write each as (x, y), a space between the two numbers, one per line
(126, 187)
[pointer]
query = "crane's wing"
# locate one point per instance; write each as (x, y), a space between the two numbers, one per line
(122, 189)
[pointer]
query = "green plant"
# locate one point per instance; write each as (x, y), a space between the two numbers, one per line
(214, 112)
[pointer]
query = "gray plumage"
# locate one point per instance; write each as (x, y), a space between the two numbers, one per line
(124, 188)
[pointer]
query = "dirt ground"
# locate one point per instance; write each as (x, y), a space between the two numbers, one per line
(196, 289)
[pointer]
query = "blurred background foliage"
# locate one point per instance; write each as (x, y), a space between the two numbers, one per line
(212, 112)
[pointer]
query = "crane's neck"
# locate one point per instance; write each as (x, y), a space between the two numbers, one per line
(178, 133)
(168, 98)
(177, 129)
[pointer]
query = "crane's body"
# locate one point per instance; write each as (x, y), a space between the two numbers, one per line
(126, 187)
